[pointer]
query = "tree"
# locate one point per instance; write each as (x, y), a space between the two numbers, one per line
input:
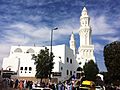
(44, 63)
(51, 64)
(112, 60)
(90, 70)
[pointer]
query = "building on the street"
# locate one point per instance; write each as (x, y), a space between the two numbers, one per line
(67, 60)
(20, 60)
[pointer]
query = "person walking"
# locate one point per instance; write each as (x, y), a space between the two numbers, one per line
(21, 85)
(16, 83)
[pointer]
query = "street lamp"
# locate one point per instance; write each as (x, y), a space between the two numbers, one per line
(51, 47)
(18, 67)
(52, 38)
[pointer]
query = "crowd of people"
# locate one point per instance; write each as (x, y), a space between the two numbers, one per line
(15, 84)
(29, 85)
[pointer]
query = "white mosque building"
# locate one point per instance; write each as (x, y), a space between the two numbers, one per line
(67, 59)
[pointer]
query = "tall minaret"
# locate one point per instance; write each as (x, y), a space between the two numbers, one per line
(73, 43)
(86, 49)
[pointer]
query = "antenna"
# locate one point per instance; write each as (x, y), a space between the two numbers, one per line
(24, 39)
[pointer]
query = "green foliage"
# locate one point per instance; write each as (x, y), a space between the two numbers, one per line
(51, 64)
(44, 63)
(90, 70)
(112, 60)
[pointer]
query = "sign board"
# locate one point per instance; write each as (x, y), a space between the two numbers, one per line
(56, 73)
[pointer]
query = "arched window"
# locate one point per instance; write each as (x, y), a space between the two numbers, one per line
(25, 68)
(79, 69)
(70, 72)
(61, 68)
(18, 50)
(71, 61)
(30, 51)
(67, 72)
(21, 68)
(67, 59)
(85, 22)
(30, 68)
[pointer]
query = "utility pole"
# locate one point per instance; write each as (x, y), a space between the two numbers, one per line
(51, 48)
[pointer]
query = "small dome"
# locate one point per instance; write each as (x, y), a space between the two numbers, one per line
(30, 50)
(18, 50)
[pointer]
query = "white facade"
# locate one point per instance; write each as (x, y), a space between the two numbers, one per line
(20, 61)
(66, 59)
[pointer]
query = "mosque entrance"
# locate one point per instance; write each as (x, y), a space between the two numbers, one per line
(79, 72)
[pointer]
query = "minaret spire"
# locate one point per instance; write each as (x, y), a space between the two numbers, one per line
(86, 49)
(85, 28)
(73, 43)
(84, 9)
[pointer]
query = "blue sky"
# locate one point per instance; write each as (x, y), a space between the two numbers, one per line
(25, 22)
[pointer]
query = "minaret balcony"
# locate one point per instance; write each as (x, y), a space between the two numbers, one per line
(87, 46)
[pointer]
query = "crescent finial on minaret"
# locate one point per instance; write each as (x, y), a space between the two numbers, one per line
(84, 4)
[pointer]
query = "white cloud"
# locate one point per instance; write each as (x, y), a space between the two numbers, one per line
(100, 26)
(4, 52)
(35, 18)
(42, 32)
(98, 48)
(68, 26)
(14, 39)
(111, 39)
(4, 49)
(25, 33)
(23, 26)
